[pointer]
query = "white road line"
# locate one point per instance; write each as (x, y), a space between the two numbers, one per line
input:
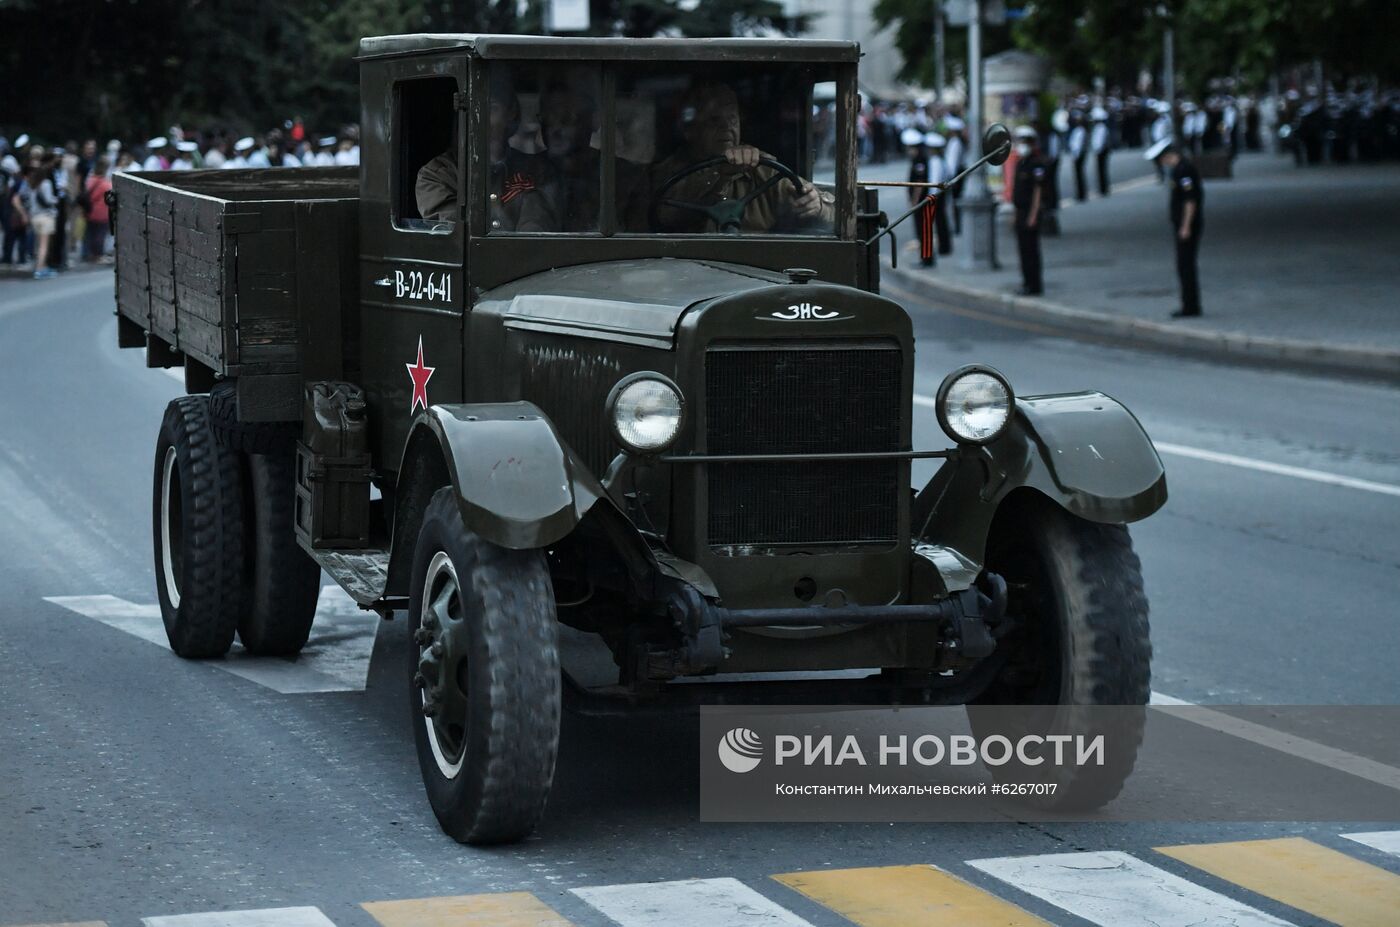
(1274, 739)
(689, 903)
(1264, 466)
(1117, 890)
(1387, 841)
(267, 917)
(1249, 463)
(335, 659)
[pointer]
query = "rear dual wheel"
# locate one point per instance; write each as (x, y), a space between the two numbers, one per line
(226, 555)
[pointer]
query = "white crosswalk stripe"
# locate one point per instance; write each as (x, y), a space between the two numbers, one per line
(335, 659)
(1118, 890)
(689, 903)
(265, 917)
(1387, 841)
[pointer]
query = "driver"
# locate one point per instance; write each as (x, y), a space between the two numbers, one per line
(710, 129)
(518, 180)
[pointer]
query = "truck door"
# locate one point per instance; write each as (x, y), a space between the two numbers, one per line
(412, 236)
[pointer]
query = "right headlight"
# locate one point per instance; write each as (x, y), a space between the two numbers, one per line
(974, 404)
(645, 411)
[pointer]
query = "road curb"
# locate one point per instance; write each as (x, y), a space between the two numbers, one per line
(1233, 346)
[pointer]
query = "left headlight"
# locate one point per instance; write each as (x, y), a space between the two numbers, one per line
(974, 404)
(646, 411)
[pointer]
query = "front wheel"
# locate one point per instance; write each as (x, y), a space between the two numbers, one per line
(1081, 639)
(485, 699)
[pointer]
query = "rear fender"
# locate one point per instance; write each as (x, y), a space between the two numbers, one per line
(1085, 451)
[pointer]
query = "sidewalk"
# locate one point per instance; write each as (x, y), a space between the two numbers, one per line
(1299, 266)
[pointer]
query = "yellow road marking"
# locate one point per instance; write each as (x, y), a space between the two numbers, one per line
(504, 909)
(901, 896)
(1303, 875)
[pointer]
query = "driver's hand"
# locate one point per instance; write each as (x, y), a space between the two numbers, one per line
(743, 156)
(808, 205)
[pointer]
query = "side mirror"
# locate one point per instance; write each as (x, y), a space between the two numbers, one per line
(996, 143)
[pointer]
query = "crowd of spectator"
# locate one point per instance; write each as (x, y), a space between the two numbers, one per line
(53, 205)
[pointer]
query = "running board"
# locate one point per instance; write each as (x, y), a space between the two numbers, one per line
(363, 574)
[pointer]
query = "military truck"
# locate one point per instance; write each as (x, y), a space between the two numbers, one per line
(581, 352)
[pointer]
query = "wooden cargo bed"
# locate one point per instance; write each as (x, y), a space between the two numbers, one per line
(246, 274)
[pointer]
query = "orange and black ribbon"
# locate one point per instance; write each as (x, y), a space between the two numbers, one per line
(926, 228)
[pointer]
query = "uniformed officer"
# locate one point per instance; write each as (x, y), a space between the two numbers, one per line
(1077, 144)
(913, 140)
(937, 176)
(1099, 144)
(1186, 219)
(1027, 193)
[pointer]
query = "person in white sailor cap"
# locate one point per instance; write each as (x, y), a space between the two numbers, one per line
(913, 140)
(954, 160)
(1184, 210)
(155, 157)
(240, 153)
(184, 161)
(938, 174)
(1099, 145)
(325, 152)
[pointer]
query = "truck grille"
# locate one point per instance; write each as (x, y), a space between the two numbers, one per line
(808, 400)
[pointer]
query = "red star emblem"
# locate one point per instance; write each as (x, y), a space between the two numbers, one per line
(420, 376)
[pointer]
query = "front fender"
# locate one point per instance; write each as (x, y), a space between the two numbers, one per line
(518, 483)
(1085, 451)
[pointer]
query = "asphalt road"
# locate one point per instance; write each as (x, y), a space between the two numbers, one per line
(134, 785)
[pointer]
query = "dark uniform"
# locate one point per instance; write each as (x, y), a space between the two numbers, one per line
(923, 219)
(1031, 175)
(1186, 188)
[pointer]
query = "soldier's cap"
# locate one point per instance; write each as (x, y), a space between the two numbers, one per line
(1025, 132)
(1159, 148)
(9, 164)
(160, 141)
(187, 146)
(244, 143)
(22, 140)
(934, 140)
(954, 124)
(911, 137)
(326, 141)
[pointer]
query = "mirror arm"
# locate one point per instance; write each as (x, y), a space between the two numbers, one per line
(889, 229)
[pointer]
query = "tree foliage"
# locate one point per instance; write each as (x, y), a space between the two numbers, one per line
(132, 68)
(1114, 39)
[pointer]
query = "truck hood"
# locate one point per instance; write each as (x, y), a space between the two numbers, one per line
(638, 302)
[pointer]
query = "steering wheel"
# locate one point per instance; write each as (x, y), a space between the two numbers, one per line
(727, 214)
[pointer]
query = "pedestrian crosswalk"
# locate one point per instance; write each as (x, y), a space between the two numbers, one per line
(335, 659)
(1250, 883)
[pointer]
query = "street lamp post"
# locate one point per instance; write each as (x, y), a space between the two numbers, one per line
(978, 206)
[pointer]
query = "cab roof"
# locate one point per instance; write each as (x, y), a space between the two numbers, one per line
(610, 49)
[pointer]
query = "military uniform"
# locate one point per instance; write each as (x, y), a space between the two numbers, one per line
(519, 201)
(924, 224)
(769, 211)
(1031, 175)
(1186, 188)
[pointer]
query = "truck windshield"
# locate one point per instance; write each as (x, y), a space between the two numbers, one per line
(697, 148)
